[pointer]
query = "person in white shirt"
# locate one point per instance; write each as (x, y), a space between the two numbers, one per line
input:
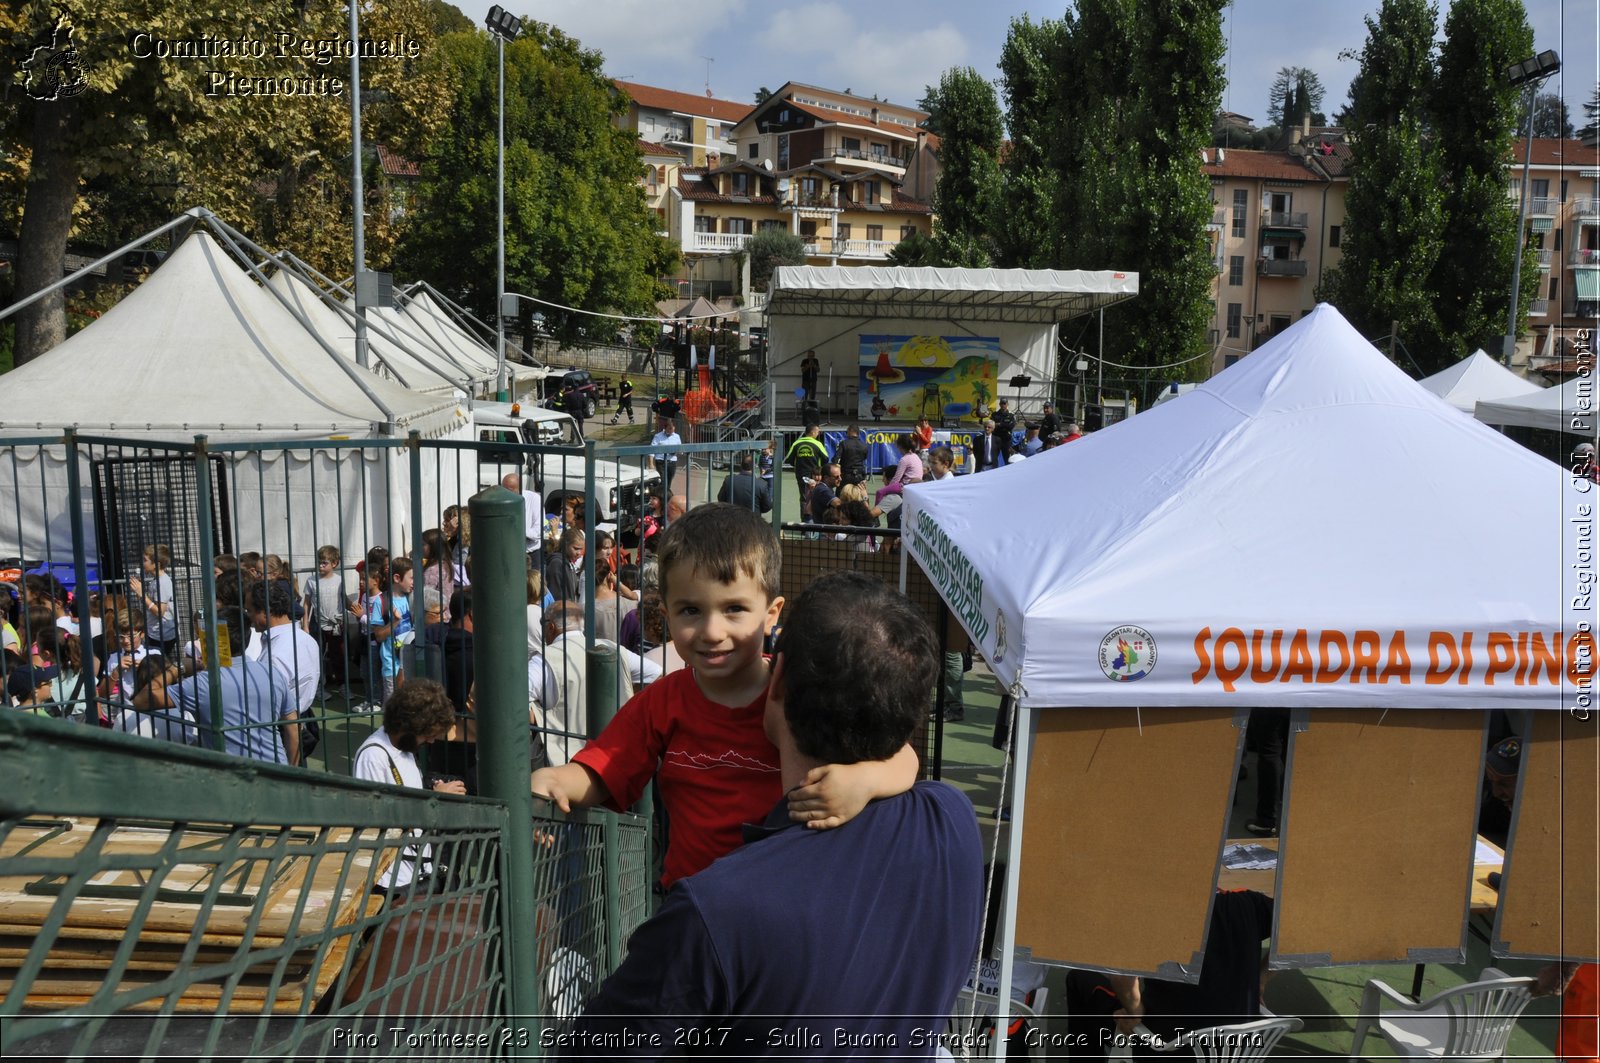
(557, 683)
(416, 714)
(941, 463)
(154, 595)
(665, 462)
(294, 655)
(532, 518)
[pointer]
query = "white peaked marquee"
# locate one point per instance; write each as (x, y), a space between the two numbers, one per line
(1310, 527)
(1477, 378)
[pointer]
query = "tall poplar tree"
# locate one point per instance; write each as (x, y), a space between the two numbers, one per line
(1394, 222)
(1474, 115)
(1028, 64)
(965, 111)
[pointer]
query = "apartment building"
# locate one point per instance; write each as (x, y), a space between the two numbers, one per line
(1275, 229)
(1563, 222)
(697, 128)
(850, 176)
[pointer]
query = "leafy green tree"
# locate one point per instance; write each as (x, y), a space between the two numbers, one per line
(1474, 114)
(918, 249)
(1394, 222)
(769, 249)
(1296, 92)
(1021, 225)
(968, 189)
(578, 231)
(763, 94)
(1550, 117)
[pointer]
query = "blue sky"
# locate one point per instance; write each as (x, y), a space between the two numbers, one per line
(893, 48)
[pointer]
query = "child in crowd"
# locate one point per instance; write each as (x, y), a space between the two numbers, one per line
(325, 611)
(125, 639)
(278, 571)
(374, 571)
(699, 731)
(153, 594)
(389, 623)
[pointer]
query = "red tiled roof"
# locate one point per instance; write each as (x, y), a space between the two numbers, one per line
(656, 151)
(903, 204)
(706, 191)
(684, 102)
(1262, 165)
(396, 165)
(858, 120)
(1550, 151)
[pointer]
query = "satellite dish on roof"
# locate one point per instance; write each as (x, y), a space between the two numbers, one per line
(783, 185)
(766, 164)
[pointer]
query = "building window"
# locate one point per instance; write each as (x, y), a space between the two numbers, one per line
(1241, 203)
(869, 191)
(704, 224)
(755, 149)
(1557, 246)
(1541, 188)
(1563, 190)
(740, 184)
(907, 231)
(844, 230)
(1235, 310)
(740, 226)
(852, 144)
(1555, 288)
(810, 189)
(1229, 359)
(1334, 234)
(767, 224)
(875, 233)
(1235, 270)
(808, 230)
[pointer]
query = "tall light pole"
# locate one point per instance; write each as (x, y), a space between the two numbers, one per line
(1532, 73)
(503, 26)
(355, 182)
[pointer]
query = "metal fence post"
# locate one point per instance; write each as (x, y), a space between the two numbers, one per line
(499, 656)
(602, 689)
(208, 585)
(419, 580)
(80, 570)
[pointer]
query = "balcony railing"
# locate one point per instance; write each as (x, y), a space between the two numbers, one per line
(1584, 256)
(809, 201)
(1546, 257)
(862, 248)
(1543, 206)
(718, 241)
(1538, 308)
(1219, 216)
(1585, 207)
(1282, 267)
(882, 158)
(1283, 219)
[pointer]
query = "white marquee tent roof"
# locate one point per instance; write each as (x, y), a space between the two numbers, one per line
(200, 347)
(1568, 407)
(1039, 296)
(1311, 489)
(1476, 378)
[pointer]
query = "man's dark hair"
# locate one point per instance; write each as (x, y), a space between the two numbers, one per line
(859, 663)
(460, 606)
(272, 598)
(418, 707)
(721, 541)
(746, 462)
(229, 615)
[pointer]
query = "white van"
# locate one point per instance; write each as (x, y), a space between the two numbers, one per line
(620, 486)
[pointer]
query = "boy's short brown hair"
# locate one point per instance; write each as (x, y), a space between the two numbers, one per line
(328, 553)
(720, 541)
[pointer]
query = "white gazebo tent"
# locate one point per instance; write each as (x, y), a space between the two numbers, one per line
(1312, 487)
(1568, 407)
(1477, 378)
(201, 349)
(444, 332)
(825, 308)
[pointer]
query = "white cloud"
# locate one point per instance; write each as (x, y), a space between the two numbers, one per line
(640, 37)
(840, 49)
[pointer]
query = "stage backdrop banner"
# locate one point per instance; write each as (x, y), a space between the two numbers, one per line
(942, 377)
(882, 452)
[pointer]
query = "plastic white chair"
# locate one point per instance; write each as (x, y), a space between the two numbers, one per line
(968, 1030)
(1469, 1023)
(1234, 1043)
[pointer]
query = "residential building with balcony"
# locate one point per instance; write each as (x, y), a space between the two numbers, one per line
(1276, 226)
(843, 173)
(698, 128)
(661, 166)
(1563, 222)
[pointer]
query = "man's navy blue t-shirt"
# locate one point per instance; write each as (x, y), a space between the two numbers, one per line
(806, 943)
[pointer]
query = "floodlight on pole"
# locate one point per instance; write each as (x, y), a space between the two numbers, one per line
(1530, 72)
(502, 26)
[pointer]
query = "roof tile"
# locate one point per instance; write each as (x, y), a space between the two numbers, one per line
(684, 102)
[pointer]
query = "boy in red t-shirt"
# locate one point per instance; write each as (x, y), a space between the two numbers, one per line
(699, 730)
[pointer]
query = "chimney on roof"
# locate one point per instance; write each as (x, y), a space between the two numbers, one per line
(1305, 126)
(874, 116)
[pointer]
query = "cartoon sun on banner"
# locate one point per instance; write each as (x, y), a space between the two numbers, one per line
(945, 377)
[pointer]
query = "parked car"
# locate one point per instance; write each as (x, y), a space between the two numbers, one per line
(556, 383)
(620, 486)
